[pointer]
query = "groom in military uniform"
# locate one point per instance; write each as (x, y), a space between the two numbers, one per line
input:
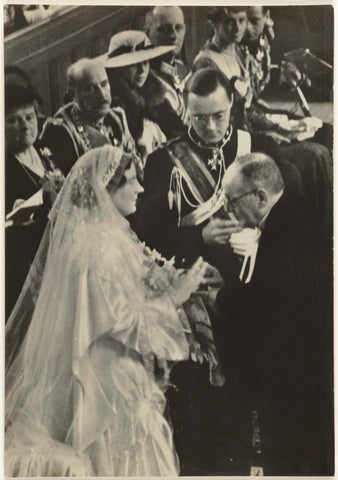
(182, 214)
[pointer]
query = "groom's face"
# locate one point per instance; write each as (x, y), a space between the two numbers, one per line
(210, 115)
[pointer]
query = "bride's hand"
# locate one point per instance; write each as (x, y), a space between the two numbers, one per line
(188, 282)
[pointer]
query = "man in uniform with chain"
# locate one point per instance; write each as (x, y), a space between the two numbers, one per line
(88, 121)
(182, 180)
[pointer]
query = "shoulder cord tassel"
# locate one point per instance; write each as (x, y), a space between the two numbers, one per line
(175, 193)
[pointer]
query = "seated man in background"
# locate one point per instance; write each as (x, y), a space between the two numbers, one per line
(257, 39)
(164, 89)
(274, 332)
(88, 121)
(312, 159)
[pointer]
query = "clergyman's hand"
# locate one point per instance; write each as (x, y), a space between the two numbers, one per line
(218, 231)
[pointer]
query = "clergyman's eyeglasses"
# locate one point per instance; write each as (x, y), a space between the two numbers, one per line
(233, 200)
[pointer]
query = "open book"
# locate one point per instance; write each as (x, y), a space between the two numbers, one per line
(23, 211)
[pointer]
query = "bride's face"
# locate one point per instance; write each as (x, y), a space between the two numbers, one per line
(124, 198)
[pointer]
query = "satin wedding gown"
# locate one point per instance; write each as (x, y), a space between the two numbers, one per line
(82, 396)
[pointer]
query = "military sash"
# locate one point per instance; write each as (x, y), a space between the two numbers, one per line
(205, 196)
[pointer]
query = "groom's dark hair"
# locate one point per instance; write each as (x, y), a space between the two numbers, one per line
(205, 81)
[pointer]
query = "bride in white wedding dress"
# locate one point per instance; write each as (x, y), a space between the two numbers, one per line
(84, 390)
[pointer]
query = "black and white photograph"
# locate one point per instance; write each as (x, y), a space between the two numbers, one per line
(168, 229)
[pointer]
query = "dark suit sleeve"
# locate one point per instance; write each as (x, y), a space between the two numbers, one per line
(155, 223)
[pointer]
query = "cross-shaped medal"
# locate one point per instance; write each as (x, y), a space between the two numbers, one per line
(215, 161)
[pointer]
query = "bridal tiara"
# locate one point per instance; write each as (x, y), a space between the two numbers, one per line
(110, 172)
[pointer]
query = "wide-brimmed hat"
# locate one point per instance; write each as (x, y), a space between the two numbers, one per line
(131, 47)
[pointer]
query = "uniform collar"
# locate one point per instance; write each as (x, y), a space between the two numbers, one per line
(196, 139)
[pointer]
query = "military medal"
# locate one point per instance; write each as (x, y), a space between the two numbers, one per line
(215, 161)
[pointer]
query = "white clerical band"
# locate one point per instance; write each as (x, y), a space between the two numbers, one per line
(248, 259)
(246, 243)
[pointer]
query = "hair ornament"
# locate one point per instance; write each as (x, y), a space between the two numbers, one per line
(110, 172)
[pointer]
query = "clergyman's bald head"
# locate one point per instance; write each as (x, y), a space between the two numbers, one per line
(252, 185)
(260, 170)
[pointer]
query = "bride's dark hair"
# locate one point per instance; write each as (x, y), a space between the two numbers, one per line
(122, 179)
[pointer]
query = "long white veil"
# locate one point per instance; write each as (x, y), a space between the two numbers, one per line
(75, 202)
(93, 282)
(42, 346)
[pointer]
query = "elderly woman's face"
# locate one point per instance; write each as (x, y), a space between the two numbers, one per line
(125, 197)
(21, 128)
(232, 28)
(136, 74)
